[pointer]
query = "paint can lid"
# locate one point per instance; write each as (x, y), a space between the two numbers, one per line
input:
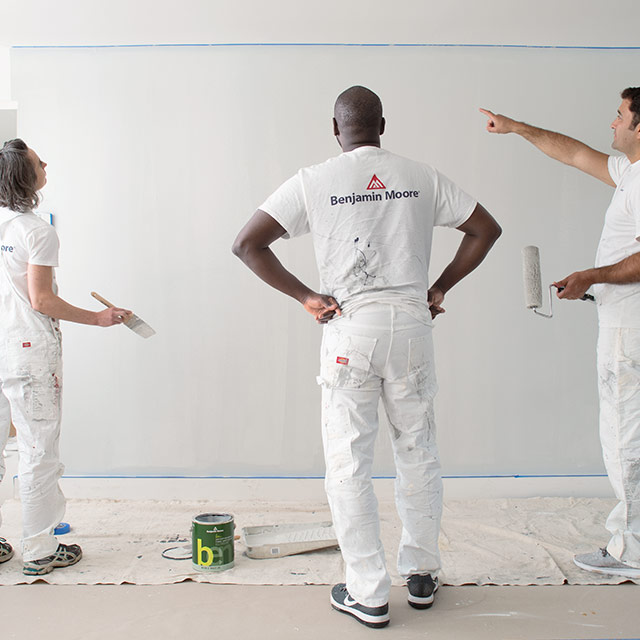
(182, 552)
(213, 518)
(61, 529)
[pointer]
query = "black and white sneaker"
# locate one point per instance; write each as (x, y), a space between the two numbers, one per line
(376, 617)
(422, 590)
(6, 551)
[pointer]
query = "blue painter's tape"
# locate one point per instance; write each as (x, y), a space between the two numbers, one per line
(470, 477)
(331, 44)
(61, 529)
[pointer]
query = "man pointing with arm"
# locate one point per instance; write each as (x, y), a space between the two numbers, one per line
(371, 216)
(616, 283)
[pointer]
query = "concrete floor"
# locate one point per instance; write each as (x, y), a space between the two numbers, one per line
(206, 611)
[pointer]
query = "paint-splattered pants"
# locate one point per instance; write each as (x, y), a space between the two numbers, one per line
(31, 381)
(380, 352)
(619, 385)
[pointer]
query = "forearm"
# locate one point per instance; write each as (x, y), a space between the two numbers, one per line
(55, 307)
(264, 263)
(555, 145)
(471, 252)
(626, 271)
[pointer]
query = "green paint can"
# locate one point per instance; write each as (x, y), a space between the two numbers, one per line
(212, 541)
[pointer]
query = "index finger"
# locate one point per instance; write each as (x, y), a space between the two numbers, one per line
(487, 113)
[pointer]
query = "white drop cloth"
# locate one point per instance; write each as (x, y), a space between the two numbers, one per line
(504, 542)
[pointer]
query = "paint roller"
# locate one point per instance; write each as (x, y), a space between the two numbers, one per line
(533, 282)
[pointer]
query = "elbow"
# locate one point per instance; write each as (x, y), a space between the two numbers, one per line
(39, 303)
(492, 230)
(246, 247)
(240, 248)
(496, 232)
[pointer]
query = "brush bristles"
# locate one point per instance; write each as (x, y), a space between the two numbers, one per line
(139, 326)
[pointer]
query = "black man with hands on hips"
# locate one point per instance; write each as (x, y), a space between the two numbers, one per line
(371, 216)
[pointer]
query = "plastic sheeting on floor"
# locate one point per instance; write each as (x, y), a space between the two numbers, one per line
(503, 542)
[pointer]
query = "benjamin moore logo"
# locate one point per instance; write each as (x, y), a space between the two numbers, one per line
(7, 248)
(375, 183)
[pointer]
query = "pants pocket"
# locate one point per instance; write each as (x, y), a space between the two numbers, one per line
(345, 361)
(35, 361)
(43, 396)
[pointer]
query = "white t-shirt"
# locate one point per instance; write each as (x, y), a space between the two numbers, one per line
(24, 239)
(371, 214)
(619, 304)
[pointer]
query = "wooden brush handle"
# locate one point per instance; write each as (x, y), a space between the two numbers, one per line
(105, 302)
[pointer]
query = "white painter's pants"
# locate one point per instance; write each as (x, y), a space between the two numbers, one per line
(619, 385)
(31, 378)
(380, 351)
(5, 426)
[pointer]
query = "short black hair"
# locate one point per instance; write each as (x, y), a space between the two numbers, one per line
(633, 95)
(358, 108)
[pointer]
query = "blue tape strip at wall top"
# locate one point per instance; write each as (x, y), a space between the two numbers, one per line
(332, 44)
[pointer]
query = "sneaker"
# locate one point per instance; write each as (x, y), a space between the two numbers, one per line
(6, 551)
(65, 556)
(422, 590)
(376, 617)
(601, 561)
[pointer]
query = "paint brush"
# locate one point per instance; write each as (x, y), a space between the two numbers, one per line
(132, 322)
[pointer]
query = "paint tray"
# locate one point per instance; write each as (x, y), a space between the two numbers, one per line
(278, 540)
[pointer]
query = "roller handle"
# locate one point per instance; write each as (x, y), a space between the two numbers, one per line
(586, 296)
(104, 301)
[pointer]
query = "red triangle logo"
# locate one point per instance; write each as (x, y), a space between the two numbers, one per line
(376, 183)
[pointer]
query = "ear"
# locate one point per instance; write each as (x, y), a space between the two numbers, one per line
(336, 130)
(383, 122)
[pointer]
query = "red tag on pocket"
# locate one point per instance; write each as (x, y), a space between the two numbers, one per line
(26, 344)
(341, 360)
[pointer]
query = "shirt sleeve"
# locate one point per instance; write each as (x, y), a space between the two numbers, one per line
(616, 166)
(453, 205)
(43, 245)
(287, 206)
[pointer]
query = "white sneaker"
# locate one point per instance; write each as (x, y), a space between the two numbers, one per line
(601, 561)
